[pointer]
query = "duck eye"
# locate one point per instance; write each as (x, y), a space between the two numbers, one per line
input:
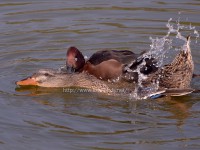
(46, 74)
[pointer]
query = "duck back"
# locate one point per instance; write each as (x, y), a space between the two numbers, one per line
(123, 56)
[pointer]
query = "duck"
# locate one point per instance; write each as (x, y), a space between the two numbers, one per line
(105, 64)
(53, 78)
(173, 77)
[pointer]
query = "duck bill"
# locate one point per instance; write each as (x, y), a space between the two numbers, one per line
(27, 81)
(70, 69)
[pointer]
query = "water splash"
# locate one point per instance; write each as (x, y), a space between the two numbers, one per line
(159, 49)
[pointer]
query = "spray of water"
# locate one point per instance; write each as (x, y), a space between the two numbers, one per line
(158, 49)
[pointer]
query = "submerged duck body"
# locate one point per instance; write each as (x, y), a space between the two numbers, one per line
(53, 79)
(106, 64)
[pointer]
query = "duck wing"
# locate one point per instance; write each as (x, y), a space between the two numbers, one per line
(141, 65)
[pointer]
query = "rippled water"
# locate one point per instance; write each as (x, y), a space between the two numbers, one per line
(36, 34)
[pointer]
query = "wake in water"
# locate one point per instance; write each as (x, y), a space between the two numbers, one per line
(159, 49)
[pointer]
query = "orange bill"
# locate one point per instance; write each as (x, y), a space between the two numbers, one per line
(27, 81)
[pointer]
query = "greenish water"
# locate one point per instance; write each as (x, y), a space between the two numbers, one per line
(36, 34)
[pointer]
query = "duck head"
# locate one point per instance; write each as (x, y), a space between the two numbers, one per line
(75, 60)
(42, 78)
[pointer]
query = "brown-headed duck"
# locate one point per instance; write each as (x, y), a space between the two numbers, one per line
(106, 64)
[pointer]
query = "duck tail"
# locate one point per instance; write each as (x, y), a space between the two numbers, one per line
(186, 46)
(188, 40)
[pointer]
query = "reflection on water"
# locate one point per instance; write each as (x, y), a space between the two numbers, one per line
(36, 35)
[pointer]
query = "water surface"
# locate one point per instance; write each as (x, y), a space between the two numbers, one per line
(36, 34)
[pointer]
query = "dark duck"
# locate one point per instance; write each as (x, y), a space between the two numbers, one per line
(107, 64)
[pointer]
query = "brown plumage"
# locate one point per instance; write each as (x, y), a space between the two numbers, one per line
(110, 69)
(177, 74)
(53, 79)
(104, 64)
